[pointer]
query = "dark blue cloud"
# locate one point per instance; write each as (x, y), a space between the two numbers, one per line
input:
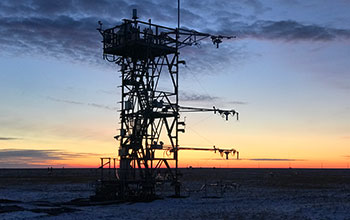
(290, 31)
(67, 29)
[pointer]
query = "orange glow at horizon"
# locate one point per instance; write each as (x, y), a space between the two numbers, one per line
(271, 149)
(218, 162)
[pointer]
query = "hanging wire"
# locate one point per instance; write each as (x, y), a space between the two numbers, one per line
(209, 141)
(200, 84)
(202, 120)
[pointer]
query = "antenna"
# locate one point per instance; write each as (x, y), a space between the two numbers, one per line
(178, 14)
(134, 14)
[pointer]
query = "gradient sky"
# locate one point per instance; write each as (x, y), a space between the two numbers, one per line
(287, 74)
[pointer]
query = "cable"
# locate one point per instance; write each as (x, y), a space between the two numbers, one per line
(203, 88)
(202, 120)
(212, 143)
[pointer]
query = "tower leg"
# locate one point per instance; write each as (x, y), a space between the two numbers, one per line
(177, 189)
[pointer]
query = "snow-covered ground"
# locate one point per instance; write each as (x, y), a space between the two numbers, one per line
(261, 195)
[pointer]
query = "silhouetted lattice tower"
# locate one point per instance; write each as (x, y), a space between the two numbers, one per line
(150, 108)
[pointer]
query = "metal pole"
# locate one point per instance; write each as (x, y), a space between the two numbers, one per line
(177, 186)
(178, 14)
(101, 168)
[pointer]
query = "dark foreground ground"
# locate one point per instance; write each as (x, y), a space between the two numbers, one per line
(211, 194)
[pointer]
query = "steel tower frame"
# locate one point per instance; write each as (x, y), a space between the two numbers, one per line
(145, 52)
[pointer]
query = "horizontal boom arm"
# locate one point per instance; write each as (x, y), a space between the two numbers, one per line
(222, 112)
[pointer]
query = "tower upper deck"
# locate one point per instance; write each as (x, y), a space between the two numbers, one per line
(131, 39)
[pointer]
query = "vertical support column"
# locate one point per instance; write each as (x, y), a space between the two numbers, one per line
(114, 170)
(101, 168)
(109, 168)
(177, 183)
(123, 161)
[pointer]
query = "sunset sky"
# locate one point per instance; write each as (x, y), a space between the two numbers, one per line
(286, 73)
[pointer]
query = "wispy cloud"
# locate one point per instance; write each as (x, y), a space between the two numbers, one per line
(189, 96)
(9, 139)
(198, 97)
(37, 157)
(264, 159)
(273, 159)
(81, 103)
(237, 103)
(41, 154)
(102, 106)
(109, 92)
(65, 101)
